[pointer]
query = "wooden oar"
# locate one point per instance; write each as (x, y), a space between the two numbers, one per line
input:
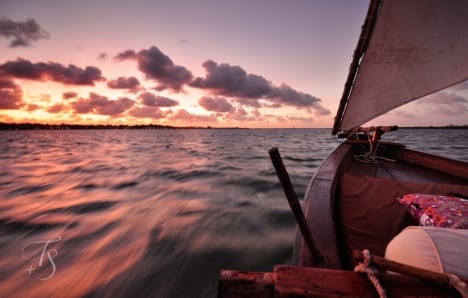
(294, 204)
(423, 274)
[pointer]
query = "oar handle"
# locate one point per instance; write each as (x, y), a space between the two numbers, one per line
(385, 264)
(295, 205)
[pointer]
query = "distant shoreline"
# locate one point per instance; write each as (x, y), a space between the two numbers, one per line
(39, 126)
(435, 127)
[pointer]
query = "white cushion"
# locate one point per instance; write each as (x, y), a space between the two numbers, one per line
(441, 250)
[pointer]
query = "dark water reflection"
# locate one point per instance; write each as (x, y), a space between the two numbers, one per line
(147, 213)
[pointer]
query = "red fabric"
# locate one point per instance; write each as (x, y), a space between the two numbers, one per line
(437, 210)
(369, 215)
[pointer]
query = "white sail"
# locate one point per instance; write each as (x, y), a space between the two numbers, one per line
(417, 47)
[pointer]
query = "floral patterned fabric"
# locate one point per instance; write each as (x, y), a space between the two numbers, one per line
(437, 210)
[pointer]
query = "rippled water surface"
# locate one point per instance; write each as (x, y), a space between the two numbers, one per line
(154, 213)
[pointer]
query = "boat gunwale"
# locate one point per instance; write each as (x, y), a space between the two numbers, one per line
(320, 199)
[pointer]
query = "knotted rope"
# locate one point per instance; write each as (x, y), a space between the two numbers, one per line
(364, 267)
(458, 284)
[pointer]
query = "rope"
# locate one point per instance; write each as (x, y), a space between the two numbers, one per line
(364, 268)
(458, 284)
(371, 156)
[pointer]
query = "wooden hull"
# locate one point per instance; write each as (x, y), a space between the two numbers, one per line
(289, 281)
(322, 208)
(322, 199)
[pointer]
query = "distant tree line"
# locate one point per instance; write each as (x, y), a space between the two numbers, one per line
(39, 126)
(438, 127)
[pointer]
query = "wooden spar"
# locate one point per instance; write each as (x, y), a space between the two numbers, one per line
(290, 281)
(361, 47)
(236, 284)
(294, 204)
(385, 264)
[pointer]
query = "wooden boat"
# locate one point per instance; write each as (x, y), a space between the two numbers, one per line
(407, 50)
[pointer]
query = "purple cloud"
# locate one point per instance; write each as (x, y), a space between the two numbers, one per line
(130, 83)
(128, 54)
(101, 105)
(186, 117)
(147, 112)
(217, 104)
(460, 86)
(71, 75)
(57, 108)
(443, 98)
(248, 89)
(11, 95)
(159, 67)
(287, 95)
(149, 99)
(232, 81)
(32, 107)
(249, 102)
(23, 33)
(102, 56)
(445, 103)
(69, 95)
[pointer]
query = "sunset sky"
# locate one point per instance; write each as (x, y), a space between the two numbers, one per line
(263, 63)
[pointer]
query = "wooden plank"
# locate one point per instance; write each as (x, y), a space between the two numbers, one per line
(234, 284)
(290, 281)
(438, 163)
(318, 282)
(310, 282)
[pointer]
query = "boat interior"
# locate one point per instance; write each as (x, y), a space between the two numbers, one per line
(351, 204)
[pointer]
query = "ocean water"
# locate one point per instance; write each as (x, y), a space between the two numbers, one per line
(155, 213)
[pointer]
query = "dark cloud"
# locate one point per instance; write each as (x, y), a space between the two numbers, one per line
(159, 67)
(32, 107)
(249, 102)
(443, 98)
(217, 104)
(460, 86)
(101, 105)
(130, 83)
(239, 115)
(69, 95)
(23, 33)
(288, 96)
(82, 106)
(446, 103)
(71, 75)
(128, 54)
(232, 81)
(11, 95)
(147, 112)
(57, 108)
(149, 99)
(248, 89)
(102, 56)
(449, 110)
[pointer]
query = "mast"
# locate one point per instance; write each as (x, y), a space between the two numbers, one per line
(407, 50)
(366, 32)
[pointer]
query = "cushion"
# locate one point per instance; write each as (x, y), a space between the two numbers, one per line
(437, 210)
(369, 216)
(431, 248)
